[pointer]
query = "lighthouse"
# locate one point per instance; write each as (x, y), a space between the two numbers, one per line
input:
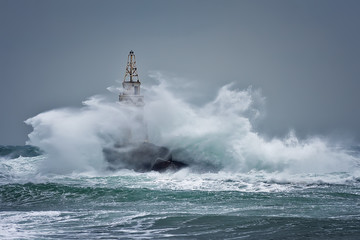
(131, 85)
(135, 151)
(131, 97)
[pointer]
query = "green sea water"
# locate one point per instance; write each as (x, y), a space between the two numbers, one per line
(174, 205)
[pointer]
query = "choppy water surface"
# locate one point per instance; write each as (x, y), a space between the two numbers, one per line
(181, 205)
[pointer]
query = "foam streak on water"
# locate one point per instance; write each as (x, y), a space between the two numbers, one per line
(185, 204)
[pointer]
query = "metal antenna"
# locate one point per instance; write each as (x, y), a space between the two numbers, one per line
(131, 69)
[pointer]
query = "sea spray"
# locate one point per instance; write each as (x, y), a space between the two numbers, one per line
(73, 139)
(221, 133)
(216, 136)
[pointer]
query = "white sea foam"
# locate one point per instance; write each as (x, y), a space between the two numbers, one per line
(20, 225)
(218, 134)
(253, 181)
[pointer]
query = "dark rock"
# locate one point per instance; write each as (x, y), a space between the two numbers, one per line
(141, 157)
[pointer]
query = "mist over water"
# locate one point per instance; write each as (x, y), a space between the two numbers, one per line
(218, 134)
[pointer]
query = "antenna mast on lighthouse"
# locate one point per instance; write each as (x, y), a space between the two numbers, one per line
(131, 70)
(131, 84)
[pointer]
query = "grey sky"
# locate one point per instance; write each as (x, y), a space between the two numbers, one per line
(303, 55)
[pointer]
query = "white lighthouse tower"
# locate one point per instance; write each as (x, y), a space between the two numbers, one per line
(132, 149)
(131, 96)
(131, 84)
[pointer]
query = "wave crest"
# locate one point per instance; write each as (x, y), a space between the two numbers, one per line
(219, 134)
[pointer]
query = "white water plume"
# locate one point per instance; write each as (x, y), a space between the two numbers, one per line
(218, 134)
(74, 138)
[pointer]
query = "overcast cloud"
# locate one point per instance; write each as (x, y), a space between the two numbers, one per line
(303, 55)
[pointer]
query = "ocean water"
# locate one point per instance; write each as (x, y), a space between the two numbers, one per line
(178, 205)
(239, 184)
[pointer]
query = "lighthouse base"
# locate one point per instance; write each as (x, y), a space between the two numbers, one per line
(142, 157)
